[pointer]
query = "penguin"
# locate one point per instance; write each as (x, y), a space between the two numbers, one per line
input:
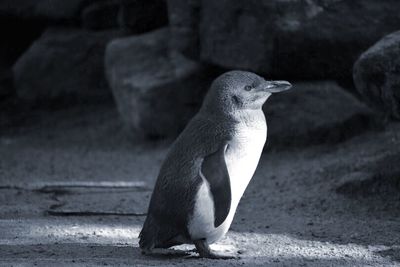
(209, 166)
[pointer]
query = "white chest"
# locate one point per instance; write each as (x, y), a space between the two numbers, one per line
(241, 157)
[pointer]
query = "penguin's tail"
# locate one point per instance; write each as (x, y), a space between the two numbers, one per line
(154, 236)
(148, 235)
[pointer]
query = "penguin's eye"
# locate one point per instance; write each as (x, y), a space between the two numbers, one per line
(248, 87)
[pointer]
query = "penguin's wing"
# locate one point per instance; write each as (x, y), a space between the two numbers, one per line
(215, 171)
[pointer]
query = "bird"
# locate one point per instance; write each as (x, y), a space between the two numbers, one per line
(209, 166)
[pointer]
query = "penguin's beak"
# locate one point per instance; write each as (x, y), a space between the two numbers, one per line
(276, 86)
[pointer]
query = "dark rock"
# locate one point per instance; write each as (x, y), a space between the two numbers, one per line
(58, 10)
(13, 44)
(315, 113)
(184, 19)
(296, 39)
(63, 63)
(101, 15)
(377, 75)
(141, 16)
(138, 16)
(156, 91)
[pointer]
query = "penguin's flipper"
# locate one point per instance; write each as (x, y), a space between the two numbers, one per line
(215, 171)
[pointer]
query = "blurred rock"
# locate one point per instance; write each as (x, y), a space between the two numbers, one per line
(14, 43)
(12, 46)
(101, 15)
(377, 75)
(138, 16)
(58, 10)
(315, 113)
(141, 16)
(184, 20)
(292, 39)
(63, 63)
(156, 91)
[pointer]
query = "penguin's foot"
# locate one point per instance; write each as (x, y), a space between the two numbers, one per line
(205, 252)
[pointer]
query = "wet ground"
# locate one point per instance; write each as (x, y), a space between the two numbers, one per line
(329, 205)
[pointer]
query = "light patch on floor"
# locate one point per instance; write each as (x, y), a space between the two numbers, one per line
(285, 246)
(250, 245)
(44, 232)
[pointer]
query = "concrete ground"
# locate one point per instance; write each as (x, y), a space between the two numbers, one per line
(330, 205)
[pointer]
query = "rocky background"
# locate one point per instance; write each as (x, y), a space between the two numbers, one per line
(82, 82)
(156, 60)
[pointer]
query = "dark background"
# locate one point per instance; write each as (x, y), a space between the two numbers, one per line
(157, 59)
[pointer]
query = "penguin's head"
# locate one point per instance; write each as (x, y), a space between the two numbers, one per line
(235, 90)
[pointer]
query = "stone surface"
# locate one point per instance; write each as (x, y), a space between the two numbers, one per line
(41, 9)
(315, 113)
(380, 178)
(156, 91)
(377, 75)
(292, 39)
(63, 62)
(86, 202)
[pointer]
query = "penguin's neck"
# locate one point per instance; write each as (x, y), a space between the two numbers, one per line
(248, 138)
(253, 118)
(249, 116)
